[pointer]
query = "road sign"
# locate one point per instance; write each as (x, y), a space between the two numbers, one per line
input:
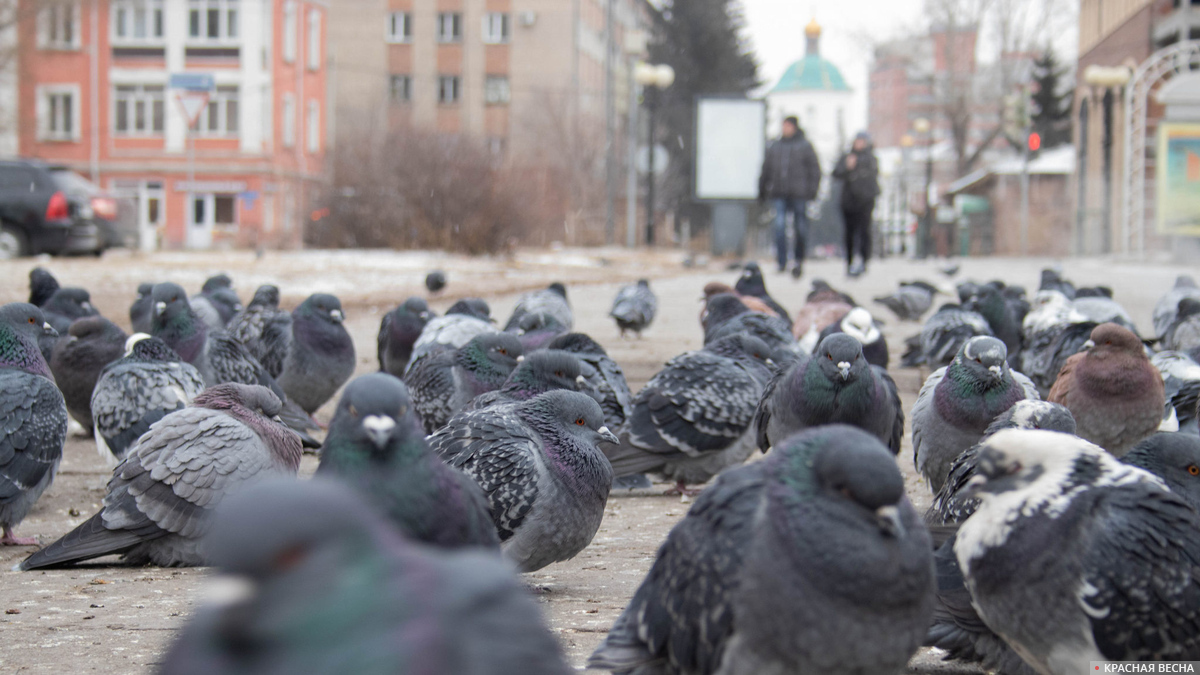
(191, 103)
(193, 81)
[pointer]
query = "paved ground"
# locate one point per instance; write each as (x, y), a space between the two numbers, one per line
(104, 619)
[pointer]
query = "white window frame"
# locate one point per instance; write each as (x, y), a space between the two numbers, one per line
(314, 39)
(399, 28)
(219, 104)
(52, 18)
(289, 31)
(289, 121)
(392, 81)
(122, 19)
(146, 94)
(449, 28)
(497, 28)
(496, 90)
(44, 106)
(313, 132)
(228, 14)
(455, 84)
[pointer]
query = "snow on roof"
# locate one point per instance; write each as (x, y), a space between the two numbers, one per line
(1058, 161)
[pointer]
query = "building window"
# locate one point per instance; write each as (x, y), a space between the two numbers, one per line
(58, 26)
(495, 28)
(137, 21)
(495, 89)
(314, 127)
(289, 121)
(314, 39)
(224, 209)
(400, 88)
(139, 110)
(289, 31)
(58, 112)
(213, 20)
(449, 27)
(448, 86)
(220, 116)
(399, 27)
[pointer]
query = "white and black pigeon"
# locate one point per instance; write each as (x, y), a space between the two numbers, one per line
(137, 390)
(463, 322)
(810, 561)
(541, 468)
(551, 300)
(696, 416)
(1073, 556)
(1168, 305)
(957, 403)
(634, 307)
(910, 301)
(944, 334)
(1102, 309)
(1181, 384)
(859, 324)
(33, 417)
(322, 586)
(1052, 331)
(160, 497)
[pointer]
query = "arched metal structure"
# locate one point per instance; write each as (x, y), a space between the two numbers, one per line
(1181, 57)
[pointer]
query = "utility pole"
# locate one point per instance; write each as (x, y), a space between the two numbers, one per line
(631, 132)
(610, 118)
(651, 104)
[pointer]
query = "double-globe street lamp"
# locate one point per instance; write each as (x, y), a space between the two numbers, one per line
(924, 127)
(652, 78)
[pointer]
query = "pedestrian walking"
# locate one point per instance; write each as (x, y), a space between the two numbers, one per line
(790, 178)
(859, 173)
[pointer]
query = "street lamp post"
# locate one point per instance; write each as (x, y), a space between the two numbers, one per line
(653, 79)
(906, 144)
(922, 126)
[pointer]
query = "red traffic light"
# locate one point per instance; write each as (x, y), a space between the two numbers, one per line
(1035, 142)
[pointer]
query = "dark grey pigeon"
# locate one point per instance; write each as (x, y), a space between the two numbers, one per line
(1173, 457)
(1181, 382)
(719, 309)
(957, 403)
(634, 307)
(42, 286)
(160, 498)
(377, 445)
(33, 418)
(751, 282)
(536, 330)
(67, 305)
(463, 322)
(859, 324)
(696, 416)
(91, 344)
(945, 333)
(320, 356)
(602, 374)
(540, 466)
(1103, 309)
(217, 303)
(264, 329)
(536, 374)
(1167, 306)
(329, 589)
(810, 561)
(1052, 280)
(1052, 331)
(772, 330)
(148, 383)
(1183, 333)
(1074, 557)
(834, 386)
(142, 308)
(398, 333)
(443, 383)
(910, 301)
(435, 281)
(551, 300)
(989, 303)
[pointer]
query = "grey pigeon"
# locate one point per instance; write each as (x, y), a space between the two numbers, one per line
(551, 300)
(859, 324)
(772, 330)
(320, 356)
(910, 301)
(142, 308)
(33, 417)
(695, 417)
(945, 333)
(957, 403)
(42, 286)
(536, 374)
(720, 308)
(634, 307)
(264, 329)
(1173, 457)
(835, 386)
(463, 322)
(751, 282)
(67, 305)
(810, 561)
(327, 588)
(91, 344)
(537, 330)
(376, 445)
(149, 382)
(1052, 280)
(1103, 309)
(989, 302)
(602, 374)
(1074, 557)
(161, 495)
(217, 303)
(539, 464)
(443, 383)
(1181, 382)
(1168, 305)
(1052, 331)
(398, 333)
(1183, 333)
(435, 281)
(1112, 389)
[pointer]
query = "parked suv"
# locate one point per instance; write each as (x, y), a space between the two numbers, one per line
(45, 209)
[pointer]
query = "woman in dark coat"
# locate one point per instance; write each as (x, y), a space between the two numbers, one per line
(859, 172)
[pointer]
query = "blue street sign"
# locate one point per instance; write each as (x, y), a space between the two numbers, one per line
(248, 198)
(193, 81)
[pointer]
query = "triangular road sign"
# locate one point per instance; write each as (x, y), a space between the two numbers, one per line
(192, 103)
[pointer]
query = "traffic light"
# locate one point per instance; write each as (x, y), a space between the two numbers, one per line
(1034, 144)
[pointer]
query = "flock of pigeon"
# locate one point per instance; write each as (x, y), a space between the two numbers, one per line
(1062, 449)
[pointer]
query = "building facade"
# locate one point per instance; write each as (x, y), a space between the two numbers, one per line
(95, 93)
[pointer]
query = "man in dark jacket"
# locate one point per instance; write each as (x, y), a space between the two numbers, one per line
(859, 172)
(790, 178)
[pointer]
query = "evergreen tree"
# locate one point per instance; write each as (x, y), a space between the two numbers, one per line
(1051, 104)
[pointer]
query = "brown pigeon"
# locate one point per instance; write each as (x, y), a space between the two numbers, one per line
(1112, 390)
(752, 303)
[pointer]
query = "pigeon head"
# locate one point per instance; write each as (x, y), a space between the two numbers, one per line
(559, 288)
(473, 307)
(545, 370)
(1034, 414)
(751, 282)
(375, 409)
(225, 301)
(493, 352)
(73, 303)
(435, 281)
(1095, 292)
(252, 397)
(323, 307)
(93, 326)
(417, 307)
(643, 283)
(575, 415)
(1185, 281)
(715, 288)
(42, 285)
(21, 325)
(577, 343)
(171, 310)
(723, 307)
(1109, 340)
(743, 347)
(1173, 457)
(144, 289)
(216, 282)
(859, 323)
(840, 357)
(1187, 307)
(984, 357)
(149, 348)
(266, 295)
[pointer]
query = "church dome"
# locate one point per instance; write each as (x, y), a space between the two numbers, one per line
(811, 73)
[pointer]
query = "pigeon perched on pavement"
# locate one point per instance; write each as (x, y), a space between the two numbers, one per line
(752, 303)
(1181, 382)
(1112, 389)
(91, 343)
(836, 385)
(537, 329)
(325, 587)
(42, 286)
(320, 356)
(464, 321)
(435, 281)
(158, 503)
(824, 305)
(910, 301)
(540, 466)
(141, 309)
(148, 383)
(810, 561)
(989, 303)
(264, 329)
(958, 402)
(634, 307)
(1053, 331)
(1183, 333)
(859, 324)
(696, 416)
(1168, 305)
(398, 332)
(602, 375)
(376, 445)
(33, 417)
(751, 282)
(551, 300)
(772, 330)
(1102, 309)
(1052, 280)
(944, 334)
(1074, 556)
(1175, 458)
(217, 303)
(445, 382)
(536, 374)
(67, 305)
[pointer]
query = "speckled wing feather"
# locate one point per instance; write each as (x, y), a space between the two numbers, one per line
(431, 381)
(944, 334)
(921, 408)
(266, 332)
(542, 302)
(33, 428)
(605, 376)
(452, 330)
(766, 405)
(131, 396)
(772, 330)
(892, 394)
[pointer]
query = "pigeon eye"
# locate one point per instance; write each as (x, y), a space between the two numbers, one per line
(503, 351)
(580, 421)
(174, 298)
(830, 356)
(289, 558)
(558, 373)
(1194, 470)
(353, 411)
(32, 320)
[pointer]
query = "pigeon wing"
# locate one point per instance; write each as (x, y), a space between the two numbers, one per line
(921, 410)
(33, 428)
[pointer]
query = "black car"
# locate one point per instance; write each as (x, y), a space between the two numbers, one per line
(46, 209)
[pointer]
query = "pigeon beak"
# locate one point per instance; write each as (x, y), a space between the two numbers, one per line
(520, 358)
(1088, 345)
(844, 369)
(159, 308)
(86, 305)
(520, 332)
(337, 315)
(225, 590)
(277, 418)
(379, 429)
(49, 330)
(996, 371)
(606, 435)
(889, 520)
(424, 315)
